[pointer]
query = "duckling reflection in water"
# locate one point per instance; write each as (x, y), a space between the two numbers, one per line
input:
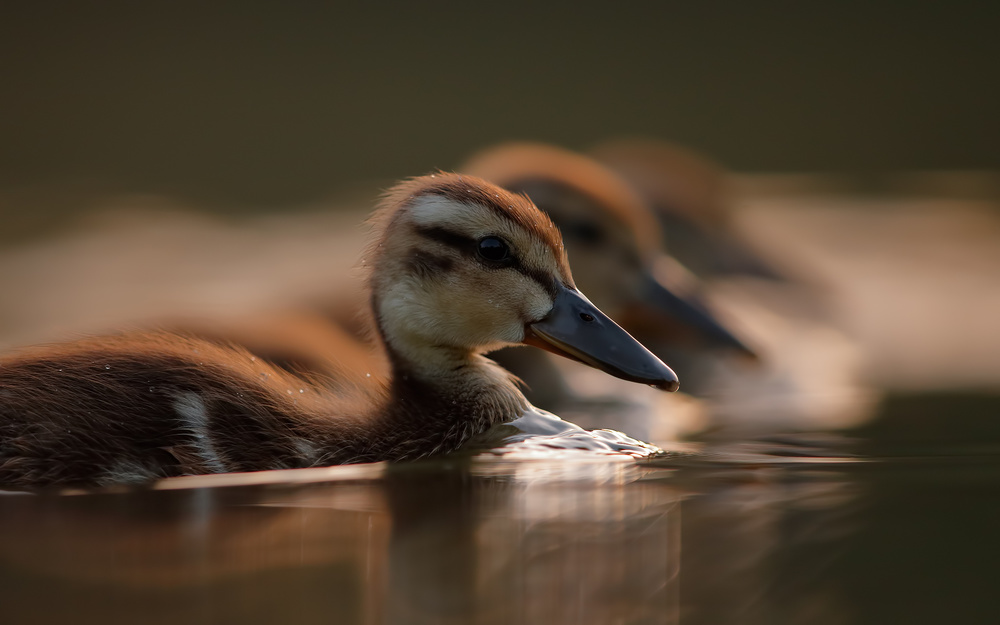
(459, 268)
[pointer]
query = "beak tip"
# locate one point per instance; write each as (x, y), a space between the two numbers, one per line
(669, 386)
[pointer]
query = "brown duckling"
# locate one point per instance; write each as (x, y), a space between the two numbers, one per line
(459, 267)
(811, 375)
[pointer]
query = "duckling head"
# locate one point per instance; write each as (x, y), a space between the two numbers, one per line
(462, 267)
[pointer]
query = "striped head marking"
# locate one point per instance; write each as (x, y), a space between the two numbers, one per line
(463, 263)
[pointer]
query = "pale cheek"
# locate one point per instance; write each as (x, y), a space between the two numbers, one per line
(401, 313)
(463, 313)
(490, 318)
(537, 306)
(439, 315)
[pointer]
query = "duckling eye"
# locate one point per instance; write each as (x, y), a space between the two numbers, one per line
(494, 249)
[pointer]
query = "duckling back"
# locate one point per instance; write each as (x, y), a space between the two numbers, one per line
(132, 409)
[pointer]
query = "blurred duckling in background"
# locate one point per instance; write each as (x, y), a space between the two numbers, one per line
(614, 242)
(459, 267)
(690, 197)
(894, 272)
(811, 375)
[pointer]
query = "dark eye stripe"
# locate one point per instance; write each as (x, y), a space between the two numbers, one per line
(453, 239)
(428, 265)
(468, 246)
(545, 280)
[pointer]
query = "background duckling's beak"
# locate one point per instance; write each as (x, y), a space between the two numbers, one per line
(689, 313)
(578, 330)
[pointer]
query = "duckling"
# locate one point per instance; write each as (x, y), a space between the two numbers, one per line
(811, 370)
(459, 267)
(616, 246)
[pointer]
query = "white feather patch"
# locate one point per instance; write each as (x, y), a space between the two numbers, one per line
(191, 409)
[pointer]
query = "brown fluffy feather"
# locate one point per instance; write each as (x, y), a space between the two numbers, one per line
(138, 407)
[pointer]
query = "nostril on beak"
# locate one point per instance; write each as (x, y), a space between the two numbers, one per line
(587, 317)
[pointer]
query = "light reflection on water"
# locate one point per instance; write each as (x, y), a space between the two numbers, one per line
(465, 541)
(734, 534)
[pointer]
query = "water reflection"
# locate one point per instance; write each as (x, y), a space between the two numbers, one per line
(758, 544)
(466, 541)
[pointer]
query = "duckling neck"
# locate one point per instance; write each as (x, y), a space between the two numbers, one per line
(444, 396)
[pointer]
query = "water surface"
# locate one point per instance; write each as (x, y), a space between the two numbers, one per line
(781, 530)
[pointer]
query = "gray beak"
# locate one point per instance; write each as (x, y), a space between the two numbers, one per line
(578, 330)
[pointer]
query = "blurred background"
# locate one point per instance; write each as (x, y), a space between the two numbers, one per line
(213, 158)
(256, 105)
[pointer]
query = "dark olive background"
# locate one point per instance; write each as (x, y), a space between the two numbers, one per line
(267, 103)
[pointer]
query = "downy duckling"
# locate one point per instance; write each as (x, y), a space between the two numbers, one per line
(459, 267)
(615, 243)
